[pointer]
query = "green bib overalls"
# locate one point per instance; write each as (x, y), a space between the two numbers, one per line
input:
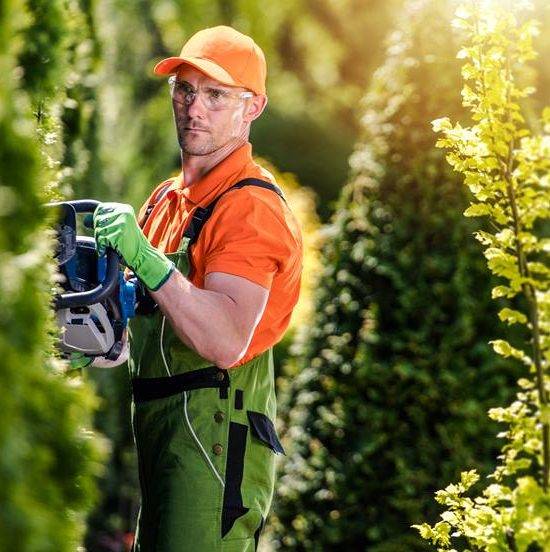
(205, 438)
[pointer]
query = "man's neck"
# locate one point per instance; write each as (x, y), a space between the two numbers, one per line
(196, 166)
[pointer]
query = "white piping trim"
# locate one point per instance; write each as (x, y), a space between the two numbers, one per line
(199, 444)
(187, 420)
(162, 346)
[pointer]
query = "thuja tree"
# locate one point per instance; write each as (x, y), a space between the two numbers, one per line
(395, 373)
(506, 166)
(47, 457)
(83, 173)
(58, 60)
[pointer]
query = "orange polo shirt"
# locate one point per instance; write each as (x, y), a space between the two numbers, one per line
(252, 233)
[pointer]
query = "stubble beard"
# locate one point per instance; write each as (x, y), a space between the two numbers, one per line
(204, 146)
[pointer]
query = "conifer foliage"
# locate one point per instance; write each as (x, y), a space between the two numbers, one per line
(396, 372)
(47, 457)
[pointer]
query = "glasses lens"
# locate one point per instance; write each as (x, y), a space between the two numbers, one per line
(214, 99)
(180, 91)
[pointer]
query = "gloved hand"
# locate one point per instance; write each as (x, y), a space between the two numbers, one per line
(79, 360)
(115, 225)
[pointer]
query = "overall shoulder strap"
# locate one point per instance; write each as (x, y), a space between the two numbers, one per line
(161, 192)
(202, 214)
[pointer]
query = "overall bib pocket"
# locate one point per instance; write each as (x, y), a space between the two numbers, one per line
(262, 428)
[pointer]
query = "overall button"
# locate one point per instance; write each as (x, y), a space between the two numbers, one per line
(219, 416)
(220, 376)
(217, 449)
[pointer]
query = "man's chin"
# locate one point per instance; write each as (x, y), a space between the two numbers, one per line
(196, 150)
(195, 153)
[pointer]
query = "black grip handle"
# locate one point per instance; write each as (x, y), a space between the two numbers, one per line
(84, 205)
(97, 294)
(79, 205)
(105, 288)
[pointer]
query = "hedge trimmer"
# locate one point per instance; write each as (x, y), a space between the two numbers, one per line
(96, 301)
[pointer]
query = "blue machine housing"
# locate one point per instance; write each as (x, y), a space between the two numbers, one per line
(127, 298)
(126, 291)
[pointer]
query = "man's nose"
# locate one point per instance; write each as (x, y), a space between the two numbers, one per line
(196, 107)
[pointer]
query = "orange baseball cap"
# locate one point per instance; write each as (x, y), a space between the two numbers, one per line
(223, 54)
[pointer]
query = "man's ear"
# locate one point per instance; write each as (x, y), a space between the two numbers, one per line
(255, 108)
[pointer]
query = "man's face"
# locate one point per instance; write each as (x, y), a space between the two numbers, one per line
(200, 130)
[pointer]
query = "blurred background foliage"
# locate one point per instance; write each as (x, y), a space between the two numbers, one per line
(311, 122)
(385, 376)
(394, 376)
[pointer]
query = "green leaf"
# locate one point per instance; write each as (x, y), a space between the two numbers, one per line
(425, 530)
(511, 316)
(506, 350)
(502, 291)
(449, 517)
(442, 124)
(477, 210)
(469, 478)
(501, 347)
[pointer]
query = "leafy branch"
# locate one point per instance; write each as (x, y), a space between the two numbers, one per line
(507, 169)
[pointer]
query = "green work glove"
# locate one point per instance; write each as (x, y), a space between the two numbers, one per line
(115, 226)
(79, 360)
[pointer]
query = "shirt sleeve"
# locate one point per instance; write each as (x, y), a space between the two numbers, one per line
(248, 236)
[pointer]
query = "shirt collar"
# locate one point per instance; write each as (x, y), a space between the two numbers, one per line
(214, 182)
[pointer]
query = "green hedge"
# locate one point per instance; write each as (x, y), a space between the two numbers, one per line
(47, 456)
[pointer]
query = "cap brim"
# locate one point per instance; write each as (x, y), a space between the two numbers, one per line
(170, 66)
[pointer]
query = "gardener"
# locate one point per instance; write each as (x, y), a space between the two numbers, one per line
(221, 254)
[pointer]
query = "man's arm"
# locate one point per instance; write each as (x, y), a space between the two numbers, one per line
(218, 321)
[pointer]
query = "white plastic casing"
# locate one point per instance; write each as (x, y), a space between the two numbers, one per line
(89, 332)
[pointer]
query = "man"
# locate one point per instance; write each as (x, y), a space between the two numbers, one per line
(221, 255)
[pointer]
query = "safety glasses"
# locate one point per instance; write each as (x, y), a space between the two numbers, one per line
(213, 98)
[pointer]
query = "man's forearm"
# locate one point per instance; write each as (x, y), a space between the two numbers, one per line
(206, 321)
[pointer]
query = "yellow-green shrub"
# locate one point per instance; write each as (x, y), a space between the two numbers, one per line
(506, 166)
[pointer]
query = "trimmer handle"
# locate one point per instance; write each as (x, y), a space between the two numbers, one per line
(84, 205)
(105, 288)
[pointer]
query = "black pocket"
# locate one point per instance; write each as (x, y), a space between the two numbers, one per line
(233, 507)
(263, 429)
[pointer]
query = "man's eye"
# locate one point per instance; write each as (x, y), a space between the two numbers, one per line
(216, 94)
(185, 88)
